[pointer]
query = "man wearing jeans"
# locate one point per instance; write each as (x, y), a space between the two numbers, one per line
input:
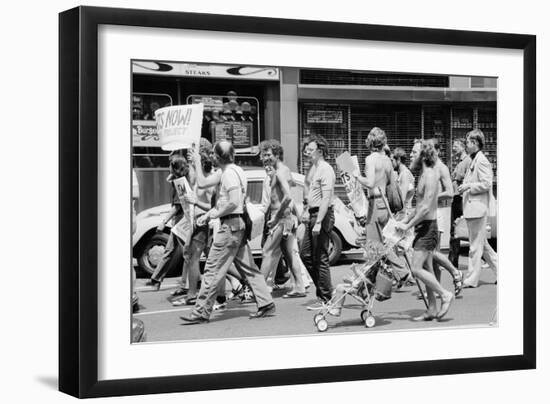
(318, 217)
(230, 243)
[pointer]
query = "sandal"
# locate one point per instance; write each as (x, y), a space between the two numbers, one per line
(458, 282)
(184, 301)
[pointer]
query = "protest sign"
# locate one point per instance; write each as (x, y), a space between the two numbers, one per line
(394, 237)
(359, 203)
(179, 126)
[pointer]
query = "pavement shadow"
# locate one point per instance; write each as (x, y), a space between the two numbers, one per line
(410, 314)
(358, 322)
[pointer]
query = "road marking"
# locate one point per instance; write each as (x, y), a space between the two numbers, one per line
(141, 313)
(148, 288)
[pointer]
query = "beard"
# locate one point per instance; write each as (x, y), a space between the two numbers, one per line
(416, 165)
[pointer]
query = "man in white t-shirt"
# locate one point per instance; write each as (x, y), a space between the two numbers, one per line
(318, 217)
(230, 243)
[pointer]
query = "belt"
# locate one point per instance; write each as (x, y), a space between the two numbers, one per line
(231, 216)
(315, 209)
(371, 197)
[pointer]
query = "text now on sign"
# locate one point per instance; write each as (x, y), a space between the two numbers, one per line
(179, 126)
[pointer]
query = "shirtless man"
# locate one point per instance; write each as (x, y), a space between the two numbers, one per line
(282, 219)
(425, 222)
(378, 169)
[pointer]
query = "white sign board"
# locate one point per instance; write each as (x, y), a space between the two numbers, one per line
(348, 164)
(179, 126)
(205, 71)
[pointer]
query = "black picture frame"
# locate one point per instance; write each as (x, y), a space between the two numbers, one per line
(78, 207)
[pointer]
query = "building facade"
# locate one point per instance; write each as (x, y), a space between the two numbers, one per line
(250, 104)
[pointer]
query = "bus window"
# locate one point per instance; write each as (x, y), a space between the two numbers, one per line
(146, 151)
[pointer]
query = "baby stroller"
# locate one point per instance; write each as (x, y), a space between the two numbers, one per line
(370, 281)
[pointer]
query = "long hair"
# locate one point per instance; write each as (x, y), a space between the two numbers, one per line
(179, 167)
(321, 143)
(427, 153)
(376, 139)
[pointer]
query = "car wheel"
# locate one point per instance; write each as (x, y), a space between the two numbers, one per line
(152, 252)
(334, 248)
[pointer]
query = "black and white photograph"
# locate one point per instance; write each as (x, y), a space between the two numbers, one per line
(250, 202)
(274, 201)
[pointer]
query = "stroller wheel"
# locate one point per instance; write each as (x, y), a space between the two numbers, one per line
(370, 321)
(318, 317)
(322, 325)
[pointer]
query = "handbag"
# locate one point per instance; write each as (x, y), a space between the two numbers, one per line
(252, 215)
(461, 229)
(395, 199)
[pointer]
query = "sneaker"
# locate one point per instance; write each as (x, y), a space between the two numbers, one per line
(184, 301)
(318, 305)
(246, 294)
(219, 306)
(266, 311)
(179, 292)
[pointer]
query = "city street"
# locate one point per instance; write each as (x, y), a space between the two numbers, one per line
(474, 307)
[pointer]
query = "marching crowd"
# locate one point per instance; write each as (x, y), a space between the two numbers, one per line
(215, 221)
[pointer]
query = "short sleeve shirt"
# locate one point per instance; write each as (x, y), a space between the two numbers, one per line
(232, 178)
(322, 182)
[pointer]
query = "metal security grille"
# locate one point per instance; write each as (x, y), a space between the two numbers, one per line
(487, 122)
(346, 77)
(402, 124)
(331, 121)
(437, 126)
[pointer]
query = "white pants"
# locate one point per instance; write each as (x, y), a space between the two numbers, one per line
(479, 247)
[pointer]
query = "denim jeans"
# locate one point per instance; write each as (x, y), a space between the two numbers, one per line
(315, 254)
(229, 246)
(173, 246)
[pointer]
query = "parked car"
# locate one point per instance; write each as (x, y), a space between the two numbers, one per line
(148, 243)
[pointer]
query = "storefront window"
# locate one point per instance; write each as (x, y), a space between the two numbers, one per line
(231, 117)
(145, 141)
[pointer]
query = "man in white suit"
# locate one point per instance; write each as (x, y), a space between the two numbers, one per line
(476, 191)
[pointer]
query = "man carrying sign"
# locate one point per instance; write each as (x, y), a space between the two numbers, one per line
(230, 243)
(178, 169)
